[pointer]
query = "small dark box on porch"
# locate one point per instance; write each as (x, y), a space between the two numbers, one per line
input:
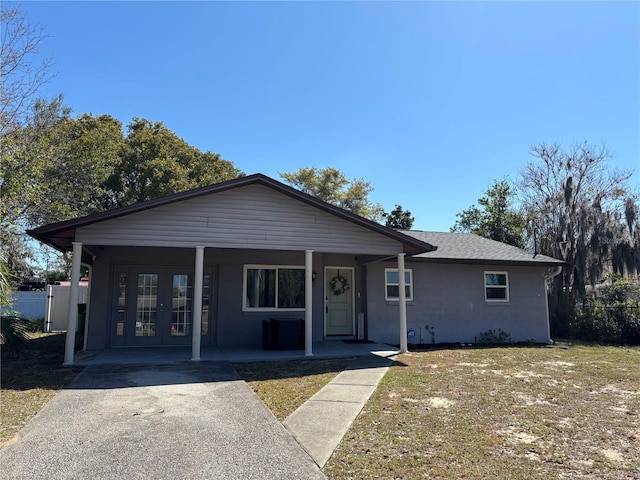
(283, 334)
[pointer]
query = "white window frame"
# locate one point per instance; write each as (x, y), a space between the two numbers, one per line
(505, 287)
(246, 308)
(407, 284)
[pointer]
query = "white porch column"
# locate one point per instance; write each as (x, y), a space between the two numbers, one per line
(308, 303)
(72, 321)
(197, 305)
(402, 304)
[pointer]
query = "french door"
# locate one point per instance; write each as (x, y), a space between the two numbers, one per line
(155, 307)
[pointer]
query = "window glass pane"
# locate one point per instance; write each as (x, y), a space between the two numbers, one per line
(495, 279)
(181, 306)
(393, 291)
(261, 288)
(496, 293)
(122, 294)
(146, 306)
(392, 281)
(206, 284)
(290, 288)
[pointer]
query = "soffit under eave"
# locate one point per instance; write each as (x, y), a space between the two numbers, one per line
(61, 241)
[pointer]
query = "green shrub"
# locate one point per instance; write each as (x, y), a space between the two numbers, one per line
(14, 333)
(36, 325)
(493, 336)
(611, 315)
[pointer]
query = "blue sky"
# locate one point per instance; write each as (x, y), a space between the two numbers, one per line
(429, 102)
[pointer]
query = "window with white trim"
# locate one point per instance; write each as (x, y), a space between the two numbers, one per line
(496, 286)
(392, 285)
(268, 288)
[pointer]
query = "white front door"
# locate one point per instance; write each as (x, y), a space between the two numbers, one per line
(338, 285)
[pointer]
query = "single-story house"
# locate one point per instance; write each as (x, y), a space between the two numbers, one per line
(209, 266)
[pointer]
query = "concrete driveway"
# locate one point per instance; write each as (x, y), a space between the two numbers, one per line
(189, 421)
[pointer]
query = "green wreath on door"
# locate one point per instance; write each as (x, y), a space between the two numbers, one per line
(339, 284)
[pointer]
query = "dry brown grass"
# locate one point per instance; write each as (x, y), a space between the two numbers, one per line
(30, 380)
(511, 413)
(516, 413)
(285, 385)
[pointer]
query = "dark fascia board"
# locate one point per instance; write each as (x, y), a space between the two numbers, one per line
(51, 234)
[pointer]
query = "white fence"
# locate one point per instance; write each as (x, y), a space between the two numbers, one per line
(57, 306)
(28, 304)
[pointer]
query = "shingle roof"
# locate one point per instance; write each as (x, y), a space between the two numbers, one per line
(454, 247)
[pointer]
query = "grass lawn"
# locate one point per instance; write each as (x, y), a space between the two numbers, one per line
(30, 380)
(285, 385)
(512, 413)
(515, 413)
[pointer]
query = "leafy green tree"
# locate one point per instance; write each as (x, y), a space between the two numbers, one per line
(20, 79)
(156, 162)
(24, 157)
(332, 186)
(582, 213)
(495, 218)
(83, 153)
(6, 287)
(399, 219)
(58, 167)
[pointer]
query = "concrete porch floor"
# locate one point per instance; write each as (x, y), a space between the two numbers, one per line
(233, 354)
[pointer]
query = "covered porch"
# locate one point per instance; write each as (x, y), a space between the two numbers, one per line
(224, 319)
(232, 354)
(249, 240)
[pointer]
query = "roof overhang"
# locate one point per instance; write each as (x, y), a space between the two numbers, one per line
(492, 261)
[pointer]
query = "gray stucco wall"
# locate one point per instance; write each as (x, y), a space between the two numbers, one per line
(450, 298)
(229, 324)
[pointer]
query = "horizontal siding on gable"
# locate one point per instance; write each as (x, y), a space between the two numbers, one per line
(253, 216)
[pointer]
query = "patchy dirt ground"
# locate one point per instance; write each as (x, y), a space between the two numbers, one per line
(29, 381)
(512, 413)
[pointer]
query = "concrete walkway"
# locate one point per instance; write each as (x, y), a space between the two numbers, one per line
(135, 416)
(160, 422)
(321, 422)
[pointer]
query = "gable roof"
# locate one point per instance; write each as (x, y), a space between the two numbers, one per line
(455, 247)
(61, 235)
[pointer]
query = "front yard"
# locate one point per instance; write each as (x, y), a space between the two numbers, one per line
(475, 413)
(30, 380)
(515, 413)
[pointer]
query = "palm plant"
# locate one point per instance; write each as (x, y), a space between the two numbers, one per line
(14, 331)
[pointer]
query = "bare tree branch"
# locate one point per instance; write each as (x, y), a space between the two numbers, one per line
(20, 77)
